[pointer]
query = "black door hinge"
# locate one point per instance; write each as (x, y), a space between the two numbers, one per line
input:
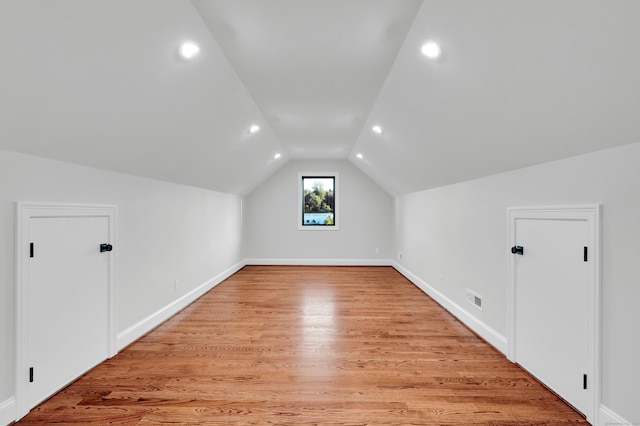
(31, 375)
(586, 257)
(31, 250)
(584, 381)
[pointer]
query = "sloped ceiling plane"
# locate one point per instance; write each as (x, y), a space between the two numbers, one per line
(518, 83)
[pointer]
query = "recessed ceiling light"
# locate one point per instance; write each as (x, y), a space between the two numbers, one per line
(431, 50)
(189, 50)
(277, 155)
(360, 156)
(377, 129)
(254, 129)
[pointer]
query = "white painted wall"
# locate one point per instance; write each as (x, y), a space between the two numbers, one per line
(166, 232)
(459, 233)
(271, 218)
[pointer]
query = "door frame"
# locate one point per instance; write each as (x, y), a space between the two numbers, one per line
(592, 215)
(24, 212)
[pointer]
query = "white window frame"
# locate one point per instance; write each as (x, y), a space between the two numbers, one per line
(300, 206)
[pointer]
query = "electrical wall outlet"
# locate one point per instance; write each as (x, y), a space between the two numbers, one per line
(400, 255)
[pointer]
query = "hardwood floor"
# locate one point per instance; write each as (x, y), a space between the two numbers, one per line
(309, 345)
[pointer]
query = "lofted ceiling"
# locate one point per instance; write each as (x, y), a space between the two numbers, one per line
(101, 84)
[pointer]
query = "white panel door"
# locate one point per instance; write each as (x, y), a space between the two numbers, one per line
(68, 301)
(552, 304)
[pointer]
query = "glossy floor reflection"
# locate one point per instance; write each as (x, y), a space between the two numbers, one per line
(309, 345)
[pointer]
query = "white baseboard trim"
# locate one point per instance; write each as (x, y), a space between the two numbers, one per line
(139, 329)
(494, 338)
(8, 411)
(608, 418)
(319, 262)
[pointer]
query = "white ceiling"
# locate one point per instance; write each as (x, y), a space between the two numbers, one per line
(100, 83)
(314, 68)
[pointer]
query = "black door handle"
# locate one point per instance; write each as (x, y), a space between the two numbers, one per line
(105, 247)
(517, 250)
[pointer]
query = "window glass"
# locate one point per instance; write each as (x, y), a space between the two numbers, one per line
(318, 201)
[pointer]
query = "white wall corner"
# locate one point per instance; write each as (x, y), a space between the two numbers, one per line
(490, 335)
(139, 329)
(606, 417)
(8, 411)
(318, 262)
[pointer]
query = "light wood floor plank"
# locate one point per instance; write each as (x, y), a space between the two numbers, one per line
(309, 345)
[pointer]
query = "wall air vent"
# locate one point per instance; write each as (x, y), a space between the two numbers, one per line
(474, 298)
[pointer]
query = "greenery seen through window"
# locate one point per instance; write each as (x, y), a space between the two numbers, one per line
(319, 201)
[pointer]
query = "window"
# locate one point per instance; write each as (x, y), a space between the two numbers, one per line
(317, 201)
